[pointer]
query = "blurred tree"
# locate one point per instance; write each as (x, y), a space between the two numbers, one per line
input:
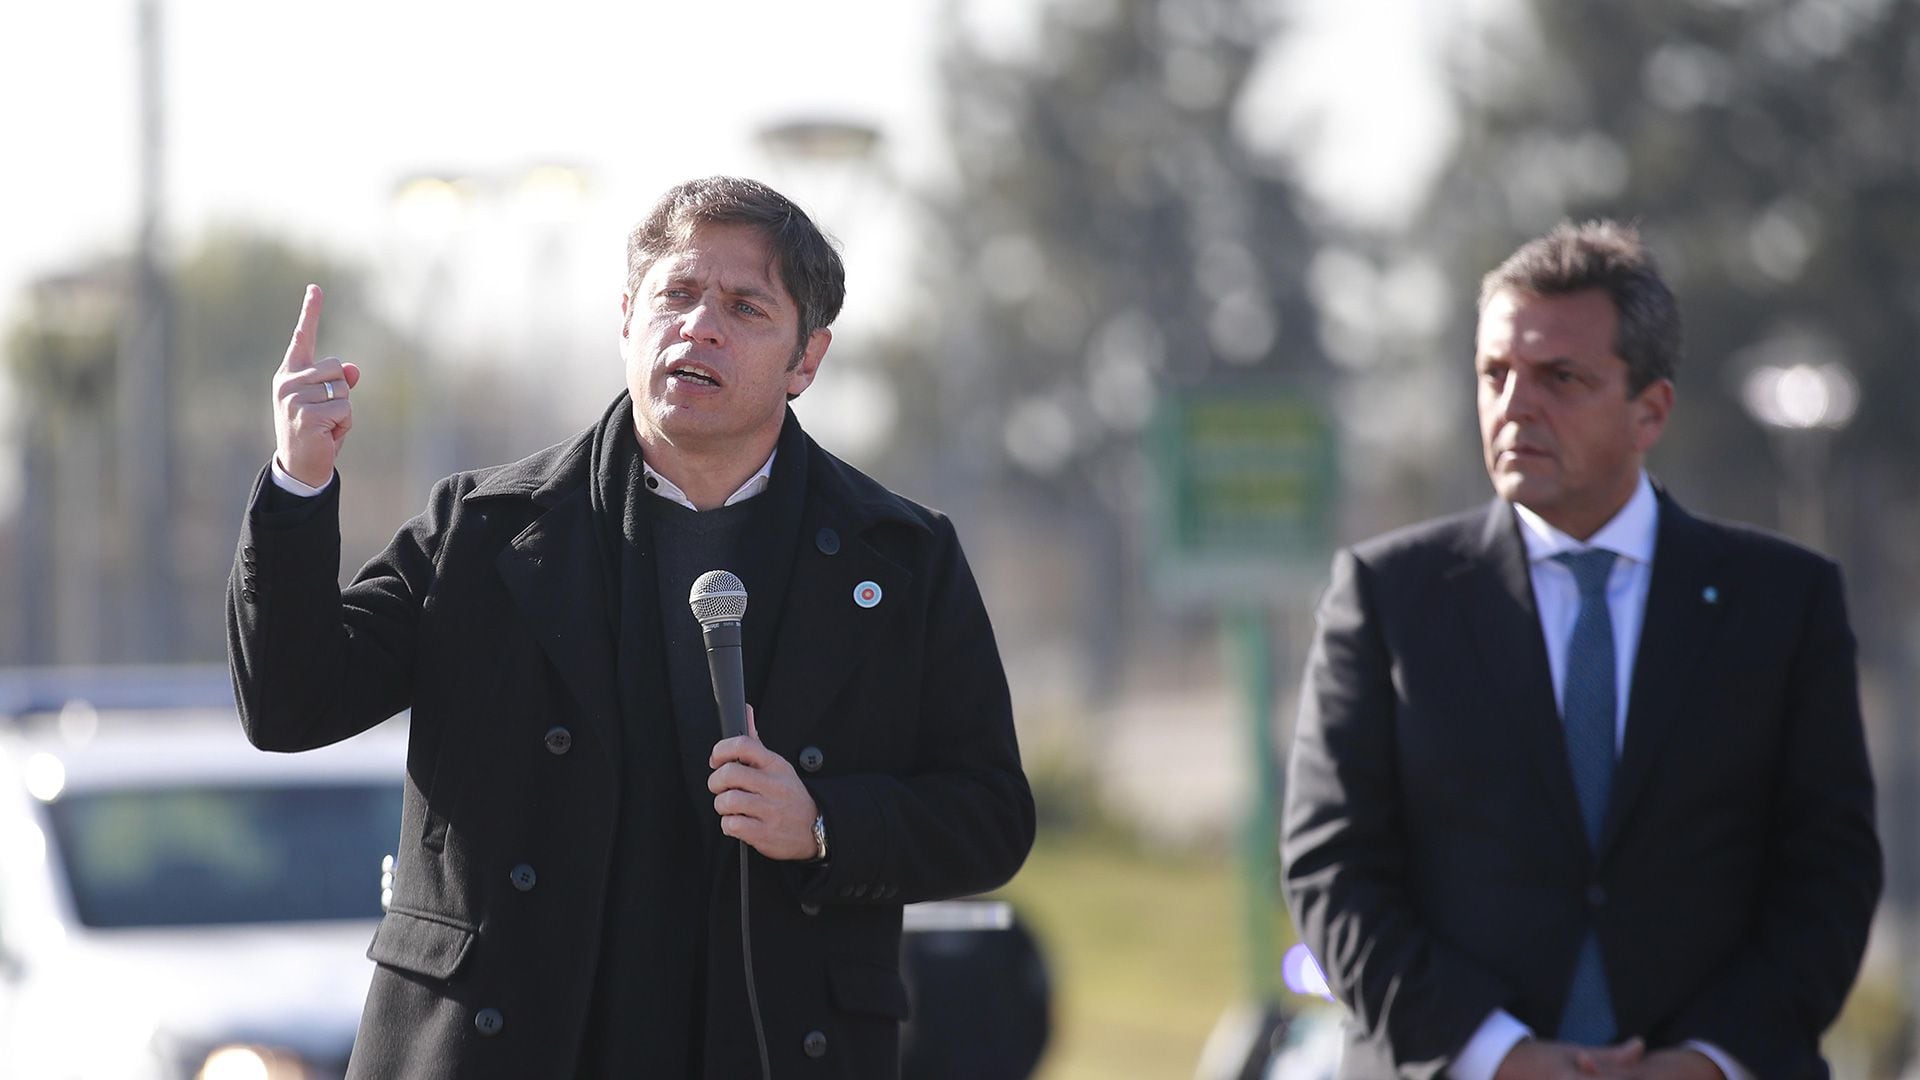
(238, 294)
(60, 355)
(1110, 238)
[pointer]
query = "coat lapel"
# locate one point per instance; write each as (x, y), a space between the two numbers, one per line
(825, 633)
(1505, 624)
(1678, 624)
(553, 571)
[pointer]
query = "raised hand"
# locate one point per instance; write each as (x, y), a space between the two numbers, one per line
(311, 413)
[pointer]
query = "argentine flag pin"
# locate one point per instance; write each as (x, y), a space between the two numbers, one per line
(867, 594)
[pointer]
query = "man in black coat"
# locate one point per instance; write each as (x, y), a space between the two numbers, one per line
(1579, 784)
(566, 899)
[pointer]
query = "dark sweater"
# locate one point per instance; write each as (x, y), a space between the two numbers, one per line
(669, 837)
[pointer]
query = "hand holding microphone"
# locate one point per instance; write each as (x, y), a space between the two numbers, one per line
(757, 793)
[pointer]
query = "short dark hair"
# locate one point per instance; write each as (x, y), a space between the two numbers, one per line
(809, 266)
(1610, 256)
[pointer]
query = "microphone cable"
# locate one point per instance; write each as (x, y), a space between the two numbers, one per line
(746, 954)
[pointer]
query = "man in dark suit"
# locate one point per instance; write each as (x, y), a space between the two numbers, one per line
(1579, 784)
(566, 901)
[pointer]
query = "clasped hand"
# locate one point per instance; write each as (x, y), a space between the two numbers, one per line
(759, 797)
(1533, 1059)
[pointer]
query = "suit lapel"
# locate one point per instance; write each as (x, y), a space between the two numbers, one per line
(1676, 628)
(1505, 625)
(547, 570)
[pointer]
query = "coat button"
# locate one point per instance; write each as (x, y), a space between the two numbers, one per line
(559, 740)
(815, 1044)
(827, 541)
(523, 877)
(489, 1022)
(811, 759)
(809, 909)
(1596, 897)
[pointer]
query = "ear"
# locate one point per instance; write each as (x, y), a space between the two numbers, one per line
(626, 313)
(1650, 408)
(803, 372)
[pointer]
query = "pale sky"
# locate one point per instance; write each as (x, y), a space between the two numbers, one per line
(305, 119)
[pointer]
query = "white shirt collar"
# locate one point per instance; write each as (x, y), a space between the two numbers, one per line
(669, 490)
(1630, 533)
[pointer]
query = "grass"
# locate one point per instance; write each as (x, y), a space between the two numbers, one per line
(1146, 950)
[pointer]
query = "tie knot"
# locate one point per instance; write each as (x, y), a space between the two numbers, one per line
(1590, 568)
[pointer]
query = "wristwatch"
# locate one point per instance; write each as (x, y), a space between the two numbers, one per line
(820, 838)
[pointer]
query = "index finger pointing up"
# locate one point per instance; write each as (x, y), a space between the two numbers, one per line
(300, 350)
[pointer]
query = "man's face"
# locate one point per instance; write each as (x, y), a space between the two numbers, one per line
(1560, 435)
(710, 344)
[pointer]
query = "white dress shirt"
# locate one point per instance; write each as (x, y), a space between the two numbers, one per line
(1630, 535)
(670, 491)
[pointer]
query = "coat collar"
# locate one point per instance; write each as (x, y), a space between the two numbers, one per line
(820, 636)
(549, 476)
(546, 477)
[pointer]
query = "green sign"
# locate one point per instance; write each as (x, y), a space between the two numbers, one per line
(1246, 486)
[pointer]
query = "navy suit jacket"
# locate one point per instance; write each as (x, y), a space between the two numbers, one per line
(1435, 860)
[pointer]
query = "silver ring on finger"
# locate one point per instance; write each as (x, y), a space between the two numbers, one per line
(329, 387)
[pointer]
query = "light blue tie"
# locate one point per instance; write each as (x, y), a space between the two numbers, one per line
(1587, 707)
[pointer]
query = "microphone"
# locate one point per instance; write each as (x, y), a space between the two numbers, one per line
(718, 601)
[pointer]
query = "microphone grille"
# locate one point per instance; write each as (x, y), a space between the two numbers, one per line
(717, 597)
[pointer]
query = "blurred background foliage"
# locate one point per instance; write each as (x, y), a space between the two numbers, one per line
(229, 297)
(1125, 218)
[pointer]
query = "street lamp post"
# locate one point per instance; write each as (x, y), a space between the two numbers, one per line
(1803, 396)
(145, 386)
(1801, 405)
(838, 165)
(431, 213)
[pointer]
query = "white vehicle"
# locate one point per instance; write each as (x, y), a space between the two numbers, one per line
(174, 904)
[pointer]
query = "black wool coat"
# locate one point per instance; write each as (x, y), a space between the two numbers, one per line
(486, 616)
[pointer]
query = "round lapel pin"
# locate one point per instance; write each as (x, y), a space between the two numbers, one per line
(867, 594)
(1710, 594)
